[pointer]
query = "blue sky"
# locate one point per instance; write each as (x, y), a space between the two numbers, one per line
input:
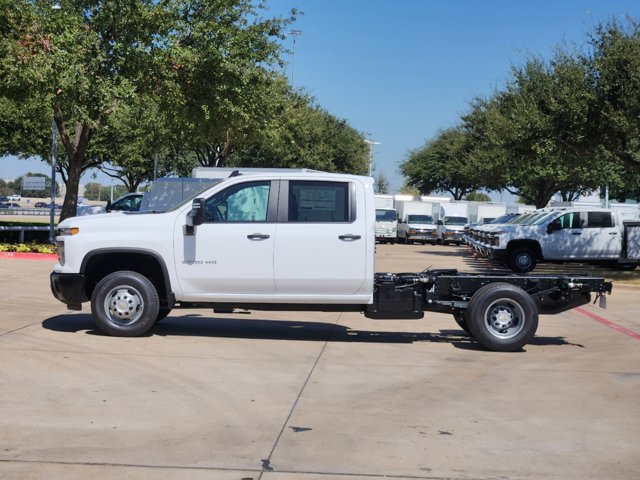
(401, 70)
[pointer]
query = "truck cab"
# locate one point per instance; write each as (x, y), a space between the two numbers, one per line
(451, 229)
(386, 225)
(262, 238)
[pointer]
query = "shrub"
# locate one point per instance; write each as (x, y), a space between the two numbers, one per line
(27, 248)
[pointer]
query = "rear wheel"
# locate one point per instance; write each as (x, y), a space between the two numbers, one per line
(125, 304)
(502, 317)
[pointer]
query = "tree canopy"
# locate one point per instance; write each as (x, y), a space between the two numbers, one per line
(83, 63)
(566, 125)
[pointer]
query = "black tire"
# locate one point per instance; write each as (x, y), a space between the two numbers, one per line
(502, 317)
(125, 304)
(625, 267)
(522, 260)
(162, 313)
(461, 319)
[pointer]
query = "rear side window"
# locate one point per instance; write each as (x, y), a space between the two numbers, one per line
(600, 220)
(318, 202)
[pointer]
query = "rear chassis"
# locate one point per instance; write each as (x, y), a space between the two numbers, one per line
(409, 295)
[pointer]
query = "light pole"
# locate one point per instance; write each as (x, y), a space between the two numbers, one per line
(293, 33)
(54, 151)
(371, 144)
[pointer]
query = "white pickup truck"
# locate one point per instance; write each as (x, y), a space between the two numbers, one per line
(569, 234)
(283, 241)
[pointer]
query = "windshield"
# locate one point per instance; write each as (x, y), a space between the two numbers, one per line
(170, 193)
(386, 215)
(543, 218)
(504, 218)
(526, 218)
(419, 219)
(456, 220)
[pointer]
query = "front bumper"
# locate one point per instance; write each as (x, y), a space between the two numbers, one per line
(69, 289)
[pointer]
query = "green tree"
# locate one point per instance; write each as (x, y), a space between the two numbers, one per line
(614, 62)
(80, 65)
(381, 184)
(4, 188)
(408, 189)
(442, 164)
(303, 135)
(476, 196)
(536, 134)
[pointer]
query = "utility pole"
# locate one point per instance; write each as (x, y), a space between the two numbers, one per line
(371, 144)
(294, 34)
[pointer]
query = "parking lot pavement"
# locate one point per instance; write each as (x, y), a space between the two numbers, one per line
(314, 396)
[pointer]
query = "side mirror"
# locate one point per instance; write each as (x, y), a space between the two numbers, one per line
(197, 214)
(553, 226)
(439, 222)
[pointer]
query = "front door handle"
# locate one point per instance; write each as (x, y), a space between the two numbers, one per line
(257, 236)
(348, 237)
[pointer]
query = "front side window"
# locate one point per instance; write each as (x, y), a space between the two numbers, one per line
(569, 220)
(318, 202)
(246, 202)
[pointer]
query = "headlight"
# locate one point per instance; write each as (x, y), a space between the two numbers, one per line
(68, 231)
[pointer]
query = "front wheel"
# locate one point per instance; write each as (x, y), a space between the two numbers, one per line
(125, 304)
(502, 317)
(522, 260)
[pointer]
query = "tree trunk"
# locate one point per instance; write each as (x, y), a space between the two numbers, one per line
(70, 205)
(76, 149)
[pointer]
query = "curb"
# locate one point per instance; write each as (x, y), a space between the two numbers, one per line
(28, 256)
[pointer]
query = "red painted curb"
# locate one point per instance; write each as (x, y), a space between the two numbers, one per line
(609, 324)
(29, 256)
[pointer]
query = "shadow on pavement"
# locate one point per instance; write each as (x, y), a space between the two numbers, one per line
(194, 325)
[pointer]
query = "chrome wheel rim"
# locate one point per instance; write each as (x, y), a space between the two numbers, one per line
(504, 318)
(124, 305)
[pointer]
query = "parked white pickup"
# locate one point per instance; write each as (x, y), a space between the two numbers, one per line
(283, 240)
(590, 235)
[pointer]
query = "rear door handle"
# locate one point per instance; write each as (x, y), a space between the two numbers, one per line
(257, 236)
(613, 233)
(348, 237)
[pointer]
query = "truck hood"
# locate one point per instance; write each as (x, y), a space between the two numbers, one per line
(120, 222)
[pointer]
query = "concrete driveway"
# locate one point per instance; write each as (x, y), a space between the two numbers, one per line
(314, 396)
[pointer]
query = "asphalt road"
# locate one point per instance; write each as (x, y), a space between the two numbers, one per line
(314, 396)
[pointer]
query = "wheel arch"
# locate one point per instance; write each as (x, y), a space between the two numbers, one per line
(532, 245)
(100, 263)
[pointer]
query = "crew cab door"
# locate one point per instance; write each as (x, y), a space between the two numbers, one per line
(232, 251)
(320, 245)
(604, 236)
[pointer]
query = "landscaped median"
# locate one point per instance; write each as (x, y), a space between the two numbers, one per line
(32, 251)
